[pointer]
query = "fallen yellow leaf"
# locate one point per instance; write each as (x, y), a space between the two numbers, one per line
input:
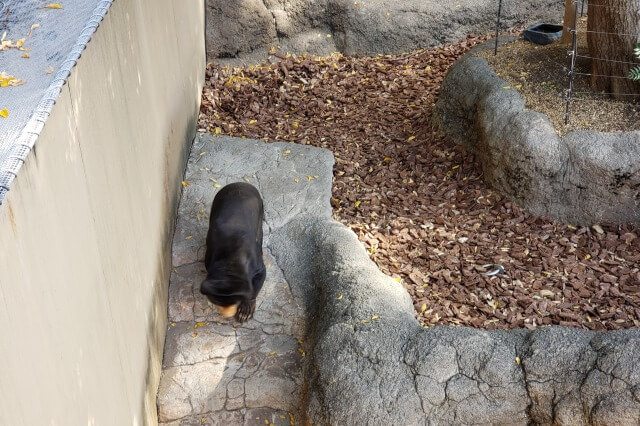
(9, 80)
(4, 113)
(186, 183)
(218, 130)
(26, 55)
(33, 27)
(296, 180)
(53, 6)
(252, 121)
(340, 297)
(411, 138)
(423, 307)
(518, 360)
(357, 203)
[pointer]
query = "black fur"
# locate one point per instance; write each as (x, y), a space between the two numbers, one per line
(235, 269)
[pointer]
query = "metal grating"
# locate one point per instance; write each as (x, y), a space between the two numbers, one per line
(58, 43)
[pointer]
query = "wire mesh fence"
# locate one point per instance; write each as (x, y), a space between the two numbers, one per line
(575, 51)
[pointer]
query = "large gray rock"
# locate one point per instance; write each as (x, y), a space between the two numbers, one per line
(335, 341)
(257, 28)
(249, 28)
(582, 178)
(371, 363)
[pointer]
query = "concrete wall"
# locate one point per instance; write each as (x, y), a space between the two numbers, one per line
(248, 29)
(85, 231)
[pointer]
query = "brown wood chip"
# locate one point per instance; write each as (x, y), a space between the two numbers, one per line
(419, 203)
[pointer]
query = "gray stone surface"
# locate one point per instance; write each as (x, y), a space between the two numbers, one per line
(297, 180)
(582, 178)
(216, 371)
(248, 28)
(368, 351)
(335, 341)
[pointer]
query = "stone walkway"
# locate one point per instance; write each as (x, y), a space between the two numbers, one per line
(216, 371)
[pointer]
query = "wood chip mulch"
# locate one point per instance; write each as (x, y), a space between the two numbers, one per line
(419, 203)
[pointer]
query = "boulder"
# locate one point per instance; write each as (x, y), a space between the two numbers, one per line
(247, 29)
(583, 178)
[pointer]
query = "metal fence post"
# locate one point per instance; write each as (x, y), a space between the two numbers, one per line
(495, 51)
(572, 53)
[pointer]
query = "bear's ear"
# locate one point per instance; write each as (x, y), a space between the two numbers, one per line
(208, 287)
(217, 287)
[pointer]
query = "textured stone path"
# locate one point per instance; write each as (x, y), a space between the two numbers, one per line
(216, 371)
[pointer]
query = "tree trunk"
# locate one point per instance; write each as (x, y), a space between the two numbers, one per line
(567, 22)
(620, 20)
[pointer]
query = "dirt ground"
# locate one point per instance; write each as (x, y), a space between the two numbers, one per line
(419, 203)
(541, 75)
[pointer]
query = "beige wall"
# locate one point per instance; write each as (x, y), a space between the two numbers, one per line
(85, 231)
